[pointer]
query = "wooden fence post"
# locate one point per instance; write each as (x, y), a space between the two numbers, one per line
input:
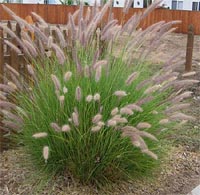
(189, 51)
(1, 81)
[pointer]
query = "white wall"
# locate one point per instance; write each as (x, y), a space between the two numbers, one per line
(187, 4)
(118, 3)
(138, 4)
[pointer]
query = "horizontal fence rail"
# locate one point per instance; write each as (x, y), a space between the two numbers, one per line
(58, 14)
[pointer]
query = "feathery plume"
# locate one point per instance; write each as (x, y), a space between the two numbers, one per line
(111, 123)
(152, 89)
(97, 97)
(67, 75)
(96, 128)
(99, 64)
(98, 74)
(12, 70)
(148, 135)
(131, 78)
(189, 74)
(181, 116)
(12, 46)
(97, 118)
(7, 88)
(100, 124)
(78, 94)
(12, 116)
(144, 100)
(126, 111)
(120, 93)
(59, 53)
(56, 82)
(129, 128)
(60, 36)
(31, 48)
(177, 107)
(46, 153)
(87, 71)
(151, 154)
(134, 107)
(120, 120)
(185, 83)
(65, 90)
(13, 126)
(164, 121)
(40, 19)
(2, 96)
(65, 128)
(61, 99)
(55, 127)
(31, 71)
(114, 111)
(182, 96)
(39, 135)
(7, 105)
(89, 98)
(75, 118)
(50, 41)
(143, 125)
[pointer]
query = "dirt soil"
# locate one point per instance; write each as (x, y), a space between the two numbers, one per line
(178, 176)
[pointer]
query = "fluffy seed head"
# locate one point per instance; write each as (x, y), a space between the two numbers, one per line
(100, 123)
(67, 75)
(78, 94)
(11, 84)
(55, 127)
(56, 82)
(96, 128)
(126, 111)
(131, 78)
(188, 74)
(89, 98)
(151, 154)
(134, 107)
(75, 118)
(65, 90)
(164, 121)
(98, 74)
(114, 111)
(121, 120)
(46, 153)
(181, 116)
(87, 71)
(97, 118)
(152, 89)
(111, 123)
(120, 93)
(66, 128)
(100, 64)
(61, 99)
(96, 97)
(39, 135)
(143, 125)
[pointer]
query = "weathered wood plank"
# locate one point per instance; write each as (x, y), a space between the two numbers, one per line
(1, 81)
(49, 13)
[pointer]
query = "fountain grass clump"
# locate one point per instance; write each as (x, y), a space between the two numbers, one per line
(86, 111)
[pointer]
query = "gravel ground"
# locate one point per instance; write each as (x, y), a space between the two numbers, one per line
(179, 174)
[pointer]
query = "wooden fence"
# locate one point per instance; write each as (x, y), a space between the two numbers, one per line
(58, 14)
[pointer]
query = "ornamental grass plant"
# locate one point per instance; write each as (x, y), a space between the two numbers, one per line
(86, 111)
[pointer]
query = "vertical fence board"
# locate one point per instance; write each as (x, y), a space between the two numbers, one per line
(58, 14)
(1, 81)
